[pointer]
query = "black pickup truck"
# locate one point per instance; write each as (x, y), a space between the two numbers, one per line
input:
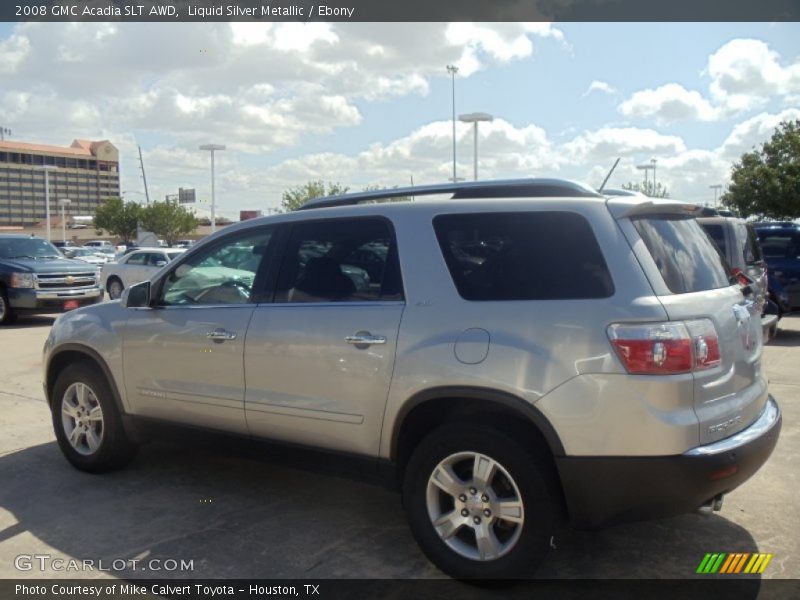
(36, 278)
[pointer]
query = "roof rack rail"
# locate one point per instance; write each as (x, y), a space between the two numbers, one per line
(497, 188)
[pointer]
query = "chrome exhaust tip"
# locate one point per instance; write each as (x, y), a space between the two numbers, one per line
(712, 506)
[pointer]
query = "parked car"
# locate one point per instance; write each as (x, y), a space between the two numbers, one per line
(738, 243)
(36, 278)
(780, 243)
(184, 243)
(134, 267)
(526, 350)
(103, 246)
(89, 255)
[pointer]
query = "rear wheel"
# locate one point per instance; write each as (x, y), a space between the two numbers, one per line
(7, 314)
(115, 288)
(479, 503)
(87, 423)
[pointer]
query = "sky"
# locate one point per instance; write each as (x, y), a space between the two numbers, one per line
(367, 104)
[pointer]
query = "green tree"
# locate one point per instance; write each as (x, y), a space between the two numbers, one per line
(117, 218)
(296, 197)
(168, 220)
(766, 181)
(648, 189)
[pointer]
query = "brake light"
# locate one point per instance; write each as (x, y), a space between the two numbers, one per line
(741, 278)
(666, 348)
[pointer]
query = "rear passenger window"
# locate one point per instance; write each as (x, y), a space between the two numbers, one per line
(523, 256)
(716, 233)
(342, 260)
(683, 253)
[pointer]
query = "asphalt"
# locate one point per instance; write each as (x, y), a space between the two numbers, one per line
(242, 516)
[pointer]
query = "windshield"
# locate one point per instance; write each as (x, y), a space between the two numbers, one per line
(27, 248)
(82, 252)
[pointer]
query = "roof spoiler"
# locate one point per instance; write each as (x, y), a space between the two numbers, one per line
(628, 207)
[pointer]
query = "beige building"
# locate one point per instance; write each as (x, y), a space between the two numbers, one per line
(87, 172)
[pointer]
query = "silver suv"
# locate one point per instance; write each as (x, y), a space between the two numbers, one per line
(517, 353)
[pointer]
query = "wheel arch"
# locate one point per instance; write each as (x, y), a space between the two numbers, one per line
(432, 407)
(69, 354)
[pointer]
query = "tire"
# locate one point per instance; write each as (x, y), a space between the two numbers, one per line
(7, 314)
(85, 412)
(513, 545)
(114, 288)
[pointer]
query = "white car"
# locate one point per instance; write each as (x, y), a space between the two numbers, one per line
(89, 255)
(135, 267)
(102, 246)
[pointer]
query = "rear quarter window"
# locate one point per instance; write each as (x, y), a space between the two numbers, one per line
(523, 256)
(685, 256)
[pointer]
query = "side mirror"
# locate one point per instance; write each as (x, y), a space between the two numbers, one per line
(137, 296)
(160, 263)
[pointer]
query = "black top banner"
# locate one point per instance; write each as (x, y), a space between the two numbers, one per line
(399, 10)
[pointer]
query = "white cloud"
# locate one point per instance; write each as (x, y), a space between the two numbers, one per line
(667, 104)
(746, 72)
(754, 131)
(606, 143)
(600, 86)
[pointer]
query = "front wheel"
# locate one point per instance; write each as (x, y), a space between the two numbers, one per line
(479, 503)
(7, 314)
(87, 423)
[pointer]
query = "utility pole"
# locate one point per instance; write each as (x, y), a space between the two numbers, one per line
(4, 131)
(716, 187)
(144, 176)
(452, 69)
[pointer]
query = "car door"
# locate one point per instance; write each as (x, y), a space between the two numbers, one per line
(130, 268)
(319, 358)
(183, 358)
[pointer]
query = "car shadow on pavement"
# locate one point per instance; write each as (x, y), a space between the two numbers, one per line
(786, 338)
(236, 516)
(26, 321)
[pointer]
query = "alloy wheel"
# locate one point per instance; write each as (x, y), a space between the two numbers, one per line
(475, 506)
(82, 418)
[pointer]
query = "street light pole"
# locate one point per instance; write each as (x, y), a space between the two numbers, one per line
(653, 162)
(646, 168)
(475, 118)
(213, 148)
(452, 69)
(47, 169)
(716, 188)
(63, 202)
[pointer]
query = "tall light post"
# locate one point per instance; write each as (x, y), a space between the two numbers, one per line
(63, 203)
(452, 69)
(475, 118)
(646, 168)
(47, 169)
(213, 148)
(716, 187)
(653, 162)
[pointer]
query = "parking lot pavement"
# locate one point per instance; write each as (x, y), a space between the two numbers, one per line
(242, 516)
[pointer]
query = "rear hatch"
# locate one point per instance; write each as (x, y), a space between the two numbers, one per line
(694, 286)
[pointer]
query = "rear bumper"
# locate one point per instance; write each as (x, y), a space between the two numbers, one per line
(605, 490)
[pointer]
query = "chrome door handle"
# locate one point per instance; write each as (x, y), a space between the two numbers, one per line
(365, 339)
(220, 335)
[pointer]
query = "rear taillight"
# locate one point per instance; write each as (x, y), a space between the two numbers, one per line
(741, 278)
(666, 348)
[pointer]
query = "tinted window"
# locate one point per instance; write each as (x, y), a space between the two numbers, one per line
(716, 233)
(776, 244)
(140, 258)
(225, 273)
(340, 261)
(685, 256)
(751, 250)
(30, 247)
(523, 256)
